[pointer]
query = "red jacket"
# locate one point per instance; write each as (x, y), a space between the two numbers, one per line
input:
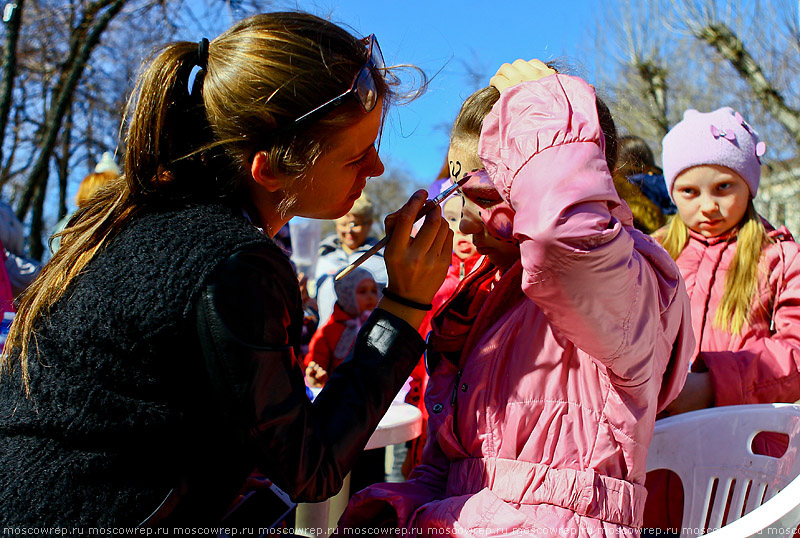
(323, 343)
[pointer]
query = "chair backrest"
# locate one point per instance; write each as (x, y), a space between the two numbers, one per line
(776, 518)
(711, 451)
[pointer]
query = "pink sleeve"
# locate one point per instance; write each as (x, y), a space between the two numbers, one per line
(767, 369)
(397, 503)
(606, 287)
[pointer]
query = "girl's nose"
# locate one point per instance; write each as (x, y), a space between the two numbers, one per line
(709, 205)
(470, 222)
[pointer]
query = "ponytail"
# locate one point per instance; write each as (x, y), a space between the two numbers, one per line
(165, 109)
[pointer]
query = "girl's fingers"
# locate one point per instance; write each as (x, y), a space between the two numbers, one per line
(520, 71)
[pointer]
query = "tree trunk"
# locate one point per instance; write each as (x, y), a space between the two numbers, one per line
(36, 246)
(9, 68)
(63, 165)
(719, 36)
(85, 38)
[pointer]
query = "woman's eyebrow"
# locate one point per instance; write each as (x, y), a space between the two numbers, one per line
(363, 152)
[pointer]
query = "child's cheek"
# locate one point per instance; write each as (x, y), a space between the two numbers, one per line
(499, 221)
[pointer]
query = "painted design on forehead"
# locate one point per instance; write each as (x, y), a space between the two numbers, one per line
(499, 218)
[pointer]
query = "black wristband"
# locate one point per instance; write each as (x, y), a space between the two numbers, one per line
(406, 302)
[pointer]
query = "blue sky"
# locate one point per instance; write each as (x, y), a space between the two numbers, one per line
(453, 38)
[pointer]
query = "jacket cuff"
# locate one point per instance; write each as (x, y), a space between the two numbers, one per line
(383, 331)
(532, 117)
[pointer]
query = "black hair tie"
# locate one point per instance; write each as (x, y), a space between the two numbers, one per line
(202, 53)
(406, 302)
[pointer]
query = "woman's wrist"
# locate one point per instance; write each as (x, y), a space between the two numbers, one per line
(399, 299)
(412, 316)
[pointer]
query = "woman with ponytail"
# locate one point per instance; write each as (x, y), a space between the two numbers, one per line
(742, 276)
(151, 366)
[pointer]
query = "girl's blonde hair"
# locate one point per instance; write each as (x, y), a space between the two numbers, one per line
(182, 145)
(741, 282)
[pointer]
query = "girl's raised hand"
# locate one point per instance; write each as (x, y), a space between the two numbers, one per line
(520, 71)
(416, 265)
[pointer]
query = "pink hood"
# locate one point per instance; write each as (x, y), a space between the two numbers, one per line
(542, 424)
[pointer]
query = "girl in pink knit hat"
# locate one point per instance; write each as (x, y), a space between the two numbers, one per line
(742, 274)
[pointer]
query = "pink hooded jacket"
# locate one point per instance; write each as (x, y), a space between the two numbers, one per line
(544, 424)
(761, 365)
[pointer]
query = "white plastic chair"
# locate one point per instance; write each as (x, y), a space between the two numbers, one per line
(711, 452)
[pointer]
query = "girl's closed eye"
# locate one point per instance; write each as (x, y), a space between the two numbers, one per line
(484, 198)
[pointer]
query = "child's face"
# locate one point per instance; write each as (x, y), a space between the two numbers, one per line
(366, 295)
(352, 230)
(462, 244)
(485, 215)
(711, 199)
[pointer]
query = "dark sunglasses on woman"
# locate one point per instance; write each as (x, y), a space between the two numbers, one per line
(364, 86)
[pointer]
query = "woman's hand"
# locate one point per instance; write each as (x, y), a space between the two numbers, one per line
(697, 393)
(520, 71)
(416, 265)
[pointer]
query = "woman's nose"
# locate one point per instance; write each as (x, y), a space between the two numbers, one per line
(377, 166)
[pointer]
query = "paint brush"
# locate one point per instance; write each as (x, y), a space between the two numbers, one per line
(430, 204)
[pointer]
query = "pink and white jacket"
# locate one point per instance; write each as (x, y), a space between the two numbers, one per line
(761, 365)
(543, 425)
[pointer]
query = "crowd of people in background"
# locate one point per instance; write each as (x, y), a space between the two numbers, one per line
(170, 364)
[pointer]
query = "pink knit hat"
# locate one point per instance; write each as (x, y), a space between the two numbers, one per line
(720, 137)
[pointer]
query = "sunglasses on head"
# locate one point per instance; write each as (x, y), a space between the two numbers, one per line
(364, 86)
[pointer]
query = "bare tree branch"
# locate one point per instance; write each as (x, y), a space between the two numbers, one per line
(13, 25)
(80, 51)
(719, 36)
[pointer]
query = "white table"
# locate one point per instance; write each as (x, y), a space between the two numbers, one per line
(401, 423)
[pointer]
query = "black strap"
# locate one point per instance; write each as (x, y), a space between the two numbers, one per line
(202, 53)
(406, 302)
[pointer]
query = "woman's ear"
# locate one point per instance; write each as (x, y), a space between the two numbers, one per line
(263, 174)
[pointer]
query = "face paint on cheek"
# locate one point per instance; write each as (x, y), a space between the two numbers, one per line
(499, 221)
(499, 218)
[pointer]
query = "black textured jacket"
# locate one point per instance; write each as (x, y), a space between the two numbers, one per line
(167, 371)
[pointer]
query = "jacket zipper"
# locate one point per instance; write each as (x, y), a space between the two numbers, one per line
(454, 397)
(454, 404)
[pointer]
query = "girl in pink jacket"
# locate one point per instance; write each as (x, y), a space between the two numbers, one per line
(549, 363)
(742, 276)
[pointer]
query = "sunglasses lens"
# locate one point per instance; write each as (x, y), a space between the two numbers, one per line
(366, 89)
(377, 55)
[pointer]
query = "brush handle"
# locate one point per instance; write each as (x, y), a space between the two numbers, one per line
(430, 204)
